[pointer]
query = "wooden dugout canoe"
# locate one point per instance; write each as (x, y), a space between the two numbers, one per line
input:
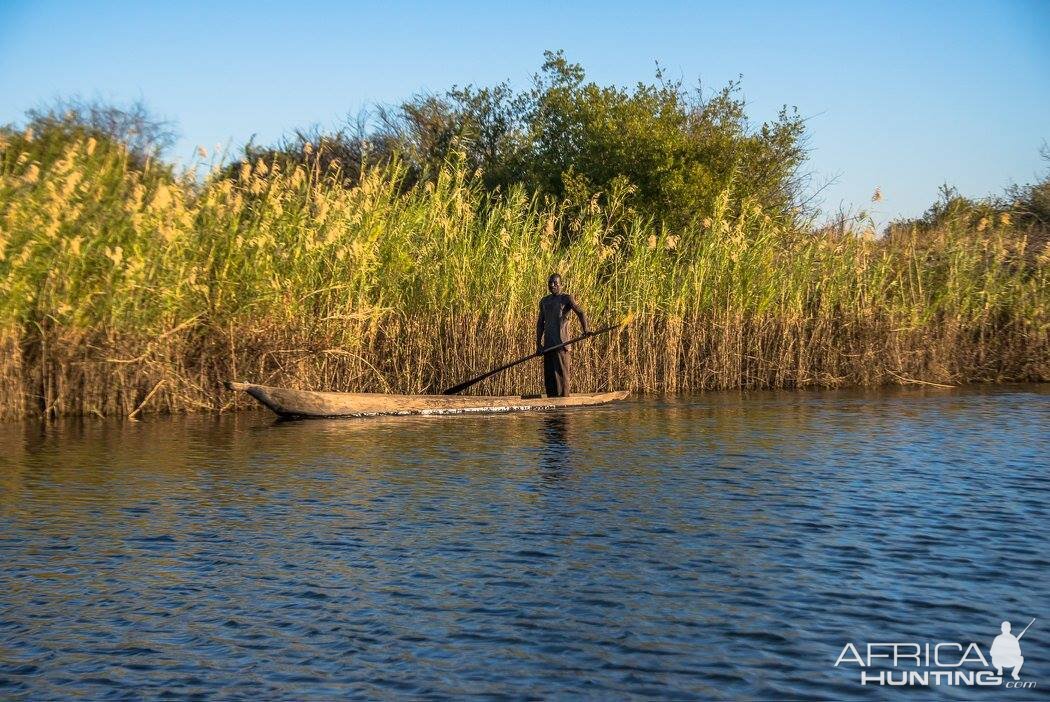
(303, 404)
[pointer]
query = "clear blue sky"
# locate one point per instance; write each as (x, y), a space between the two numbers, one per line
(903, 96)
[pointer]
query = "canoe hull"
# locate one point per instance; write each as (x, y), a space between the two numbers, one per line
(307, 404)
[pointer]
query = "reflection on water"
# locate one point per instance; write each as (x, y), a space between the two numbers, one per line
(556, 449)
(712, 546)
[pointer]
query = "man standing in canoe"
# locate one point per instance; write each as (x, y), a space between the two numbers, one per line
(551, 331)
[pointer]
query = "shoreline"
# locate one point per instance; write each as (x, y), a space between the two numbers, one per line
(77, 374)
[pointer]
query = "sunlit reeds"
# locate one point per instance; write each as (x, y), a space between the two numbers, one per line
(125, 290)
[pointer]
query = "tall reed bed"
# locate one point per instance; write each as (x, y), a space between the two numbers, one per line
(128, 290)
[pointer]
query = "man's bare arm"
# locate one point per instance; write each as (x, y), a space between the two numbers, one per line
(539, 330)
(579, 314)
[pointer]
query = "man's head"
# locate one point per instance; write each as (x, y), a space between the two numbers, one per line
(1006, 627)
(554, 283)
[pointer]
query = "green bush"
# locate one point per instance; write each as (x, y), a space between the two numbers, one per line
(666, 152)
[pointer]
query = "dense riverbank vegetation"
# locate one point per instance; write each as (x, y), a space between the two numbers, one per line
(128, 285)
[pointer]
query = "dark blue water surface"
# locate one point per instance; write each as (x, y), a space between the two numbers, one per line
(714, 546)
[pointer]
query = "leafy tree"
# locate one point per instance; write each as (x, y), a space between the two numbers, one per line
(145, 136)
(674, 150)
(669, 151)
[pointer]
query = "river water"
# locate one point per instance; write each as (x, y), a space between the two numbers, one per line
(713, 546)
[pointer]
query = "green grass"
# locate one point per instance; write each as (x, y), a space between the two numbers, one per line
(116, 282)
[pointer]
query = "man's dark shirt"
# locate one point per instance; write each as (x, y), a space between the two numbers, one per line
(554, 315)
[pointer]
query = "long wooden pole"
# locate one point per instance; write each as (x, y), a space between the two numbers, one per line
(473, 381)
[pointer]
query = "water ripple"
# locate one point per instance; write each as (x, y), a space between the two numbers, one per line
(717, 546)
